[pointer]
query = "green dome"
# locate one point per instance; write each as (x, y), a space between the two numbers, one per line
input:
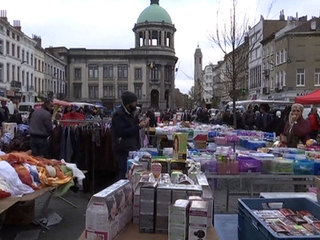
(154, 13)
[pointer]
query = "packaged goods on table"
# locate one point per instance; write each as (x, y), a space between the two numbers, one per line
(178, 219)
(227, 162)
(282, 166)
(303, 167)
(266, 160)
(109, 211)
(249, 165)
(180, 146)
(198, 220)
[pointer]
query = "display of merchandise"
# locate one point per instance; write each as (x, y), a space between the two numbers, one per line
(198, 220)
(180, 143)
(109, 211)
(178, 220)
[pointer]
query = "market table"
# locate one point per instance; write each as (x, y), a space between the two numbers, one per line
(10, 201)
(261, 179)
(132, 232)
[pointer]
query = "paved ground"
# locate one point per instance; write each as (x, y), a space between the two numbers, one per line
(73, 222)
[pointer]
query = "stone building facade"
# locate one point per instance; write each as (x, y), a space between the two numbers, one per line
(147, 69)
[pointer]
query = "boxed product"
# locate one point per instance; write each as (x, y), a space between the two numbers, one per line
(180, 146)
(198, 220)
(9, 128)
(147, 207)
(178, 165)
(303, 167)
(282, 166)
(143, 178)
(178, 220)
(207, 196)
(163, 203)
(109, 211)
(249, 164)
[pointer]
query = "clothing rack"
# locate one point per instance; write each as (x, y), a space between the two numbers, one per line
(84, 123)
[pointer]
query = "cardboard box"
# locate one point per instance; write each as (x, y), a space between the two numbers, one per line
(198, 220)
(109, 211)
(178, 220)
(180, 146)
(9, 128)
(147, 207)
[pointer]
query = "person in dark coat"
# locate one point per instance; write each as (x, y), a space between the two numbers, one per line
(125, 131)
(40, 129)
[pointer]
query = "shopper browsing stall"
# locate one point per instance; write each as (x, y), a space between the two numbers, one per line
(125, 130)
(297, 129)
(41, 129)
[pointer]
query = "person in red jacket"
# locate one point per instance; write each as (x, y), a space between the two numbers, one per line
(314, 123)
(73, 116)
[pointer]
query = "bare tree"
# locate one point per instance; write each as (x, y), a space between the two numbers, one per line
(233, 41)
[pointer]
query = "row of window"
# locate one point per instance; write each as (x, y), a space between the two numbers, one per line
(13, 35)
(108, 72)
(108, 91)
(301, 77)
(27, 58)
(26, 78)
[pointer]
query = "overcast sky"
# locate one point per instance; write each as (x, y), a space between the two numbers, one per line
(108, 24)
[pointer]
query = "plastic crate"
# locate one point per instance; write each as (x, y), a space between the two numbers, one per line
(251, 227)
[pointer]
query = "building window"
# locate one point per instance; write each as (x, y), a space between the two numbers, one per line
(35, 63)
(23, 58)
(18, 52)
(1, 46)
(138, 91)
(13, 50)
(284, 76)
(93, 72)
(93, 92)
(13, 72)
(277, 58)
(77, 74)
(27, 82)
(300, 77)
(317, 77)
(121, 89)
(8, 72)
(22, 76)
(108, 91)
(27, 60)
(18, 74)
(122, 72)
(168, 74)
(108, 71)
(8, 47)
(154, 73)
(77, 91)
(1, 72)
(138, 74)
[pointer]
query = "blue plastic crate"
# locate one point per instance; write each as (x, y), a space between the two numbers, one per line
(251, 227)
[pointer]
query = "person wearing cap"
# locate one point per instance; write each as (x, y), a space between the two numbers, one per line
(125, 131)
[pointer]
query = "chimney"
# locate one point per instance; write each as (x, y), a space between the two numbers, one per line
(38, 40)
(282, 17)
(16, 25)
(3, 15)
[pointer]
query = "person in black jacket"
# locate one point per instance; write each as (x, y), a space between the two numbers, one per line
(125, 131)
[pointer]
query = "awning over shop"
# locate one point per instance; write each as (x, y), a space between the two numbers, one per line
(311, 98)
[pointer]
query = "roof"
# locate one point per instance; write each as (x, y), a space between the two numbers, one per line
(154, 13)
(306, 27)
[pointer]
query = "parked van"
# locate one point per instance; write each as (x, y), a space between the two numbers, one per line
(24, 108)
